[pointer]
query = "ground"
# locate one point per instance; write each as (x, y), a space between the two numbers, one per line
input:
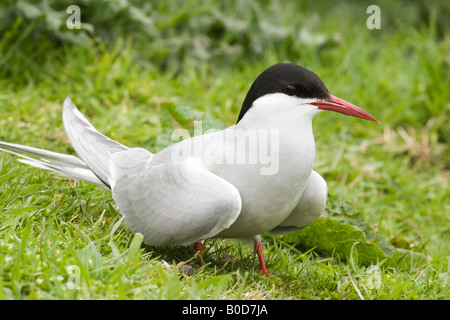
(140, 71)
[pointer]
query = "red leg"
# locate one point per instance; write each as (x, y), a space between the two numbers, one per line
(259, 250)
(199, 248)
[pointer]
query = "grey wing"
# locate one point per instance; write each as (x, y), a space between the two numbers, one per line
(310, 206)
(171, 203)
(94, 148)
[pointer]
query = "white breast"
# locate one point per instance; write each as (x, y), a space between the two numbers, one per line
(268, 197)
(268, 156)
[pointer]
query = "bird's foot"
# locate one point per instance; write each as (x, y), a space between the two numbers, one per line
(259, 250)
(262, 266)
(263, 270)
(199, 249)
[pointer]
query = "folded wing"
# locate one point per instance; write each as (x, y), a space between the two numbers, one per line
(310, 206)
(171, 203)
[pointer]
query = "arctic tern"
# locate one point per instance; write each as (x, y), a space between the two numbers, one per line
(213, 185)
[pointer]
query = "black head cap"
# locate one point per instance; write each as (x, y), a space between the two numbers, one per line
(285, 78)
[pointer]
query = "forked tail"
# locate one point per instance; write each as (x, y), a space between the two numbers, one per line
(66, 165)
(94, 149)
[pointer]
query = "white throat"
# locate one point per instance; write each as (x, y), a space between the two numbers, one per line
(278, 110)
(292, 118)
(268, 199)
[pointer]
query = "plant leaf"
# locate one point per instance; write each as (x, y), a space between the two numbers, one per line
(346, 232)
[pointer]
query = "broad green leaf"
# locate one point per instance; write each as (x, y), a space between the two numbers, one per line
(344, 233)
(329, 236)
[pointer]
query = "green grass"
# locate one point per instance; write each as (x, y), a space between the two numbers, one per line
(396, 174)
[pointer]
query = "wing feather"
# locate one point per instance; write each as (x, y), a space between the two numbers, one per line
(171, 203)
(310, 206)
(94, 148)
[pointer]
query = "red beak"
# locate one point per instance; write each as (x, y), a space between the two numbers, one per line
(344, 107)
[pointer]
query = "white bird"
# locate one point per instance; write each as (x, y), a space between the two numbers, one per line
(256, 176)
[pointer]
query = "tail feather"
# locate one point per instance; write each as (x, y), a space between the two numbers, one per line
(66, 165)
(94, 148)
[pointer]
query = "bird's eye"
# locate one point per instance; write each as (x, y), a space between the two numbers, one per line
(291, 89)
